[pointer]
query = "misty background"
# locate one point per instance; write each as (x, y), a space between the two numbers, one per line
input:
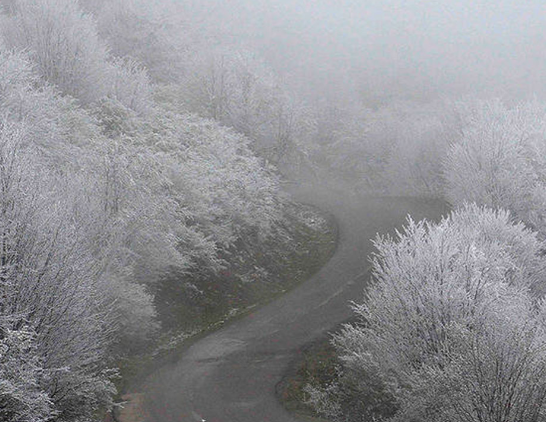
(375, 51)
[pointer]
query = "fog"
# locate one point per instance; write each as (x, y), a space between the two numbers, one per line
(402, 49)
(189, 189)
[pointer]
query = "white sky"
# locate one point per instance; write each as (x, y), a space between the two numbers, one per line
(397, 47)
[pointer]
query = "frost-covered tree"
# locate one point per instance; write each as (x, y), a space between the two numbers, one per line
(496, 374)
(452, 328)
(52, 279)
(131, 85)
(397, 149)
(151, 34)
(238, 89)
(218, 190)
(68, 142)
(62, 42)
(103, 191)
(499, 159)
(69, 257)
(21, 397)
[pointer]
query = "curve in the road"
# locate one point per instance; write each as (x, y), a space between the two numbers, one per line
(230, 375)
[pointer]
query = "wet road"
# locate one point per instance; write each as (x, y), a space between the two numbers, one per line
(231, 374)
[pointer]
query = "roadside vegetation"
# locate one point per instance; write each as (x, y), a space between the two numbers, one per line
(258, 276)
(113, 190)
(451, 324)
(317, 365)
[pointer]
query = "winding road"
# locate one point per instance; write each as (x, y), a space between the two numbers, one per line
(231, 374)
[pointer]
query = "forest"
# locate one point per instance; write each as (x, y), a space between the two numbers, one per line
(141, 141)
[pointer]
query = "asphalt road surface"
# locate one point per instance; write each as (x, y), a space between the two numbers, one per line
(231, 374)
